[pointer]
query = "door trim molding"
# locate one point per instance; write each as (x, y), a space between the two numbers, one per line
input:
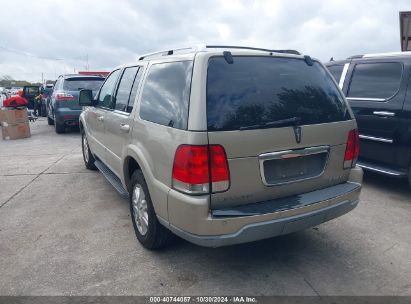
(379, 139)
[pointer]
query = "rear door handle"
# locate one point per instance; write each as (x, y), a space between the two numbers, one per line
(100, 118)
(384, 113)
(124, 127)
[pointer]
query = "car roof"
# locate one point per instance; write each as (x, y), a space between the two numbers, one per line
(371, 56)
(188, 53)
(70, 76)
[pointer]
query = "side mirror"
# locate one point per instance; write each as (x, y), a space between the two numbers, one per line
(86, 98)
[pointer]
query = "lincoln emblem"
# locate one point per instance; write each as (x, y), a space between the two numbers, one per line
(297, 133)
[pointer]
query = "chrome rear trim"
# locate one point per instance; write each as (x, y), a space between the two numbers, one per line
(292, 154)
(297, 152)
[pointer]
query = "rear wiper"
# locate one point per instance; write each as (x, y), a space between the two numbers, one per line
(293, 121)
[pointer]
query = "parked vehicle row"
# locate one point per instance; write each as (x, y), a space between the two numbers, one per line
(223, 145)
(378, 89)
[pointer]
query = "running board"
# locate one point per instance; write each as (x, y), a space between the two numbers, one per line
(112, 178)
(381, 169)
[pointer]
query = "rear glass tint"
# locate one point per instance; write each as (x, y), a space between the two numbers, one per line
(254, 91)
(77, 84)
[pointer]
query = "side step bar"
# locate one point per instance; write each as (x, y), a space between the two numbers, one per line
(112, 178)
(381, 169)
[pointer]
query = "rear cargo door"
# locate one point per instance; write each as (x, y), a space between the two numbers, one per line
(72, 87)
(283, 124)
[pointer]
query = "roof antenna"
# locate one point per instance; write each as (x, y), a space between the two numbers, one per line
(228, 57)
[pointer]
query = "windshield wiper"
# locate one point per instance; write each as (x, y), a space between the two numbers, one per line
(293, 121)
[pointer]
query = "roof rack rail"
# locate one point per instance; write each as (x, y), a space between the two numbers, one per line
(189, 49)
(355, 57)
(372, 55)
(406, 53)
(294, 52)
(202, 47)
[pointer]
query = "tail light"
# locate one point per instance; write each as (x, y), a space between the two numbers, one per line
(352, 149)
(64, 97)
(197, 168)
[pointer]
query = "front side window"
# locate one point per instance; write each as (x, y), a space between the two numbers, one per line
(124, 88)
(375, 80)
(261, 92)
(166, 94)
(105, 98)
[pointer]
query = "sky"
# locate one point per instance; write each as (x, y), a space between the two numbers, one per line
(45, 38)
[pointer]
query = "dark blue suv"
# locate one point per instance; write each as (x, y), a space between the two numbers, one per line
(64, 109)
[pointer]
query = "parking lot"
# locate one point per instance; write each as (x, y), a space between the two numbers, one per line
(64, 230)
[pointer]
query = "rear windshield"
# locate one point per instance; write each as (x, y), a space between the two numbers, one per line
(77, 84)
(256, 92)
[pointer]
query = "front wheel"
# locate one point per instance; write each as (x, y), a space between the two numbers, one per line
(87, 155)
(150, 233)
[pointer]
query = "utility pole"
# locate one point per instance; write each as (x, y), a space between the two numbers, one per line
(42, 78)
(87, 66)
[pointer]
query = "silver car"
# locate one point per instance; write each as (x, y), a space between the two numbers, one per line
(223, 145)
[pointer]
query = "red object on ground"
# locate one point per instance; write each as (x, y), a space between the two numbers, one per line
(15, 101)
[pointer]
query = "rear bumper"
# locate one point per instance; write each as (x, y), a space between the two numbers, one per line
(227, 227)
(67, 116)
(263, 230)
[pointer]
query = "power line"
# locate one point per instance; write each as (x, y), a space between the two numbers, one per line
(82, 57)
(28, 54)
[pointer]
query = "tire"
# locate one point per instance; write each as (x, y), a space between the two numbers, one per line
(50, 121)
(60, 128)
(87, 155)
(150, 233)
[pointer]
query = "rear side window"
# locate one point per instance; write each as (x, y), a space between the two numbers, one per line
(375, 80)
(124, 88)
(258, 92)
(133, 93)
(77, 84)
(166, 94)
(336, 71)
